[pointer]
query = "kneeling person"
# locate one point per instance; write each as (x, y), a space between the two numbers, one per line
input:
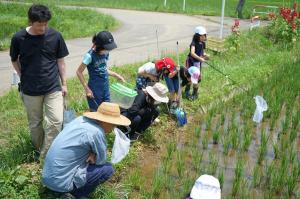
(76, 161)
(144, 108)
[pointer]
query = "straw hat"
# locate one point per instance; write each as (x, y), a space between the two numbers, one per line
(159, 92)
(109, 113)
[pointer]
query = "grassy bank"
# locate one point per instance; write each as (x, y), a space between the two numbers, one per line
(203, 7)
(72, 23)
(19, 177)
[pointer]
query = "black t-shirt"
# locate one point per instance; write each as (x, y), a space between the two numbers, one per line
(38, 56)
(199, 49)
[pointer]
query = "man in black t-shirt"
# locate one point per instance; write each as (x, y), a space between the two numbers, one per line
(37, 54)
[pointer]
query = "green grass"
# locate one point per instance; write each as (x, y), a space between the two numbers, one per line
(262, 66)
(72, 23)
(203, 7)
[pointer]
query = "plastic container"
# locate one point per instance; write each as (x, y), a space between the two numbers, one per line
(122, 95)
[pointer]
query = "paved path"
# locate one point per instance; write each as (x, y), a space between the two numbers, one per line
(136, 39)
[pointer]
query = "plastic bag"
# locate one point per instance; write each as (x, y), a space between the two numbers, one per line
(261, 106)
(120, 147)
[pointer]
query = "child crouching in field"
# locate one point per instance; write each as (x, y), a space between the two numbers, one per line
(95, 60)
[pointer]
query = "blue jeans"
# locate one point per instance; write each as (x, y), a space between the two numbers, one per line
(100, 89)
(96, 174)
(172, 84)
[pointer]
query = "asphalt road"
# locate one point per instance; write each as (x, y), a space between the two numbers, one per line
(136, 39)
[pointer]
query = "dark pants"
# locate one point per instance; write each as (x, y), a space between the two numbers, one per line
(96, 174)
(140, 123)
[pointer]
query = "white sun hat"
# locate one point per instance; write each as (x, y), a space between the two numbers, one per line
(159, 92)
(200, 30)
(206, 187)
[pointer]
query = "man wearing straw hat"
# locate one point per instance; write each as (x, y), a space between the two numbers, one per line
(76, 161)
(144, 108)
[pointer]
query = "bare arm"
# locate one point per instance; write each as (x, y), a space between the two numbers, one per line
(62, 73)
(194, 55)
(116, 75)
(80, 76)
(172, 74)
(17, 67)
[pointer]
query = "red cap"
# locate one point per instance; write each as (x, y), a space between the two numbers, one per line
(166, 62)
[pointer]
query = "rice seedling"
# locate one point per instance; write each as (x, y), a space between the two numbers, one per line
(291, 181)
(216, 136)
(205, 140)
(247, 139)
(226, 144)
(234, 137)
(276, 150)
(197, 132)
(256, 176)
(238, 174)
(166, 165)
(263, 147)
(134, 180)
(221, 177)
(213, 164)
(292, 153)
(196, 158)
(223, 118)
(179, 163)
(187, 186)
(171, 146)
(157, 183)
(293, 135)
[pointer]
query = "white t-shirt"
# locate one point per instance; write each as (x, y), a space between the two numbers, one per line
(148, 67)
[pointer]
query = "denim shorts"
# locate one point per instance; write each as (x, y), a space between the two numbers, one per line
(172, 84)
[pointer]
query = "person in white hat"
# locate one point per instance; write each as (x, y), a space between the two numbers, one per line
(144, 109)
(206, 187)
(197, 53)
(76, 161)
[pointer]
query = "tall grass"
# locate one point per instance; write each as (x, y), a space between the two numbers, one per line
(72, 23)
(206, 7)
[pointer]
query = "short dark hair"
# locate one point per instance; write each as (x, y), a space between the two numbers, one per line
(39, 13)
